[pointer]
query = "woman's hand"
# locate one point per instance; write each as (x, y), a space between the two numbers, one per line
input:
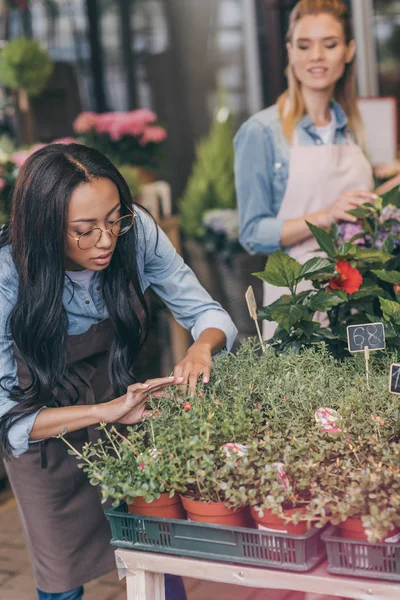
(347, 201)
(131, 408)
(197, 362)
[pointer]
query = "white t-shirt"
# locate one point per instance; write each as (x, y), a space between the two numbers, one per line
(84, 278)
(327, 132)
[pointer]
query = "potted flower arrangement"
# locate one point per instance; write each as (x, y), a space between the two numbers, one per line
(130, 468)
(355, 283)
(126, 138)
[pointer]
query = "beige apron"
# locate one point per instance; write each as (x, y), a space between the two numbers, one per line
(318, 175)
(65, 527)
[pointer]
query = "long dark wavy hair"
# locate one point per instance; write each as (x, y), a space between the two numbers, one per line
(38, 321)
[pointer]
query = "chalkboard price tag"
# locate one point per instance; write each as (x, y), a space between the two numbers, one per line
(370, 336)
(394, 380)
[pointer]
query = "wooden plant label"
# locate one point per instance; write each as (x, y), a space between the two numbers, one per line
(252, 306)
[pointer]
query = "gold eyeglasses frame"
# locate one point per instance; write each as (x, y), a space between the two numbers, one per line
(78, 238)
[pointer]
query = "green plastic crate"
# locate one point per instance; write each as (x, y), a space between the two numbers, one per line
(216, 542)
(360, 558)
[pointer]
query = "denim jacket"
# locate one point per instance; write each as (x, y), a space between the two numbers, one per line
(162, 269)
(262, 172)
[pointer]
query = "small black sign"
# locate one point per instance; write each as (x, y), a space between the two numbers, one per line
(370, 335)
(394, 382)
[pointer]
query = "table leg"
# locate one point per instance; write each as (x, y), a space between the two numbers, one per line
(142, 585)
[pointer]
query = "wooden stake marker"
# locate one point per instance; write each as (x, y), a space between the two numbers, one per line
(366, 338)
(252, 306)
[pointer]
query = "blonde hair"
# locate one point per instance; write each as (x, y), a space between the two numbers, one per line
(291, 102)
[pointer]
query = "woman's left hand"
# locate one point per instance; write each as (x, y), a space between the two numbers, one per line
(197, 362)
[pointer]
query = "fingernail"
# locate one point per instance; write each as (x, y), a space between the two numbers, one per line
(180, 379)
(145, 385)
(375, 196)
(205, 380)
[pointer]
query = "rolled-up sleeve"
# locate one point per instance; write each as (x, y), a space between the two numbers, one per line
(176, 284)
(19, 433)
(260, 229)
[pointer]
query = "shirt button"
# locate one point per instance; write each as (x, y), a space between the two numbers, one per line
(87, 301)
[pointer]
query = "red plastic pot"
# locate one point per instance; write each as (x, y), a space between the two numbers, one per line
(169, 508)
(353, 529)
(272, 521)
(215, 512)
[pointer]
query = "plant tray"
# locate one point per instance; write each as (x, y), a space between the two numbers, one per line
(361, 558)
(216, 542)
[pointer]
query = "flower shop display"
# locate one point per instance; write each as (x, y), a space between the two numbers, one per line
(355, 283)
(317, 445)
(126, 138)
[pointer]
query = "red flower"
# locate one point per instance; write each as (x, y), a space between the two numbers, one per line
(187, 406)
(349, 279)
(142, 466)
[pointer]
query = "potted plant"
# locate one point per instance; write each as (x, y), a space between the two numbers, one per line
(355, 283)
(358, 488)
(130, 468)
(199, 434)
(25, 68)
(126, 138)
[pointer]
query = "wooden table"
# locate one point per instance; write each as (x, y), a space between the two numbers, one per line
(145, 577)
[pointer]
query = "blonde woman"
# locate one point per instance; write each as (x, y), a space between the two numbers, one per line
(302, 159)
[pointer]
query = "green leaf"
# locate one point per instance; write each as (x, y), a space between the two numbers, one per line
(391, 310)
(372, 255)
(360, 212)
(313, 266)
(286, 313)
(367, 289)
(388, 244)
(392, 197)
(281, 270)
(388, 276)
(324, 239)
(323, 300)
(346, 250)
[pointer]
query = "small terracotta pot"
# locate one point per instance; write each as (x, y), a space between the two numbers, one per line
(272, 521)
(169, 508)
(215, 512)
(353, 529)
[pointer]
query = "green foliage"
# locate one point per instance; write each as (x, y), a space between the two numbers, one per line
(24, 65)
(258, 415)
(211, 183)
(356, 282)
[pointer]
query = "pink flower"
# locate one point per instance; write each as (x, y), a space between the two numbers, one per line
(22, 155)
(201, 393)
(104, 121)
(187, 406)
(142, 466)
(153, 134)
(144, 114)
(232, 448)
(84, 122)
(2, 183)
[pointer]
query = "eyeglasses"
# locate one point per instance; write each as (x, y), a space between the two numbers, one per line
(90, 238)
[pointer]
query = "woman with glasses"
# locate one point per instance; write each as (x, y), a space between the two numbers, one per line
(75, 260)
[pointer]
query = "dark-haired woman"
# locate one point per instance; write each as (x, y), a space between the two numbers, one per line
(75, 260)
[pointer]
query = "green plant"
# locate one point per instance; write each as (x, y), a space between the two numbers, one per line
(24, 65)
(211, 183)
(356, 282)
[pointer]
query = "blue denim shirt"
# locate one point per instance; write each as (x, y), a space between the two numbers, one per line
(163, 270)
(262, 172)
